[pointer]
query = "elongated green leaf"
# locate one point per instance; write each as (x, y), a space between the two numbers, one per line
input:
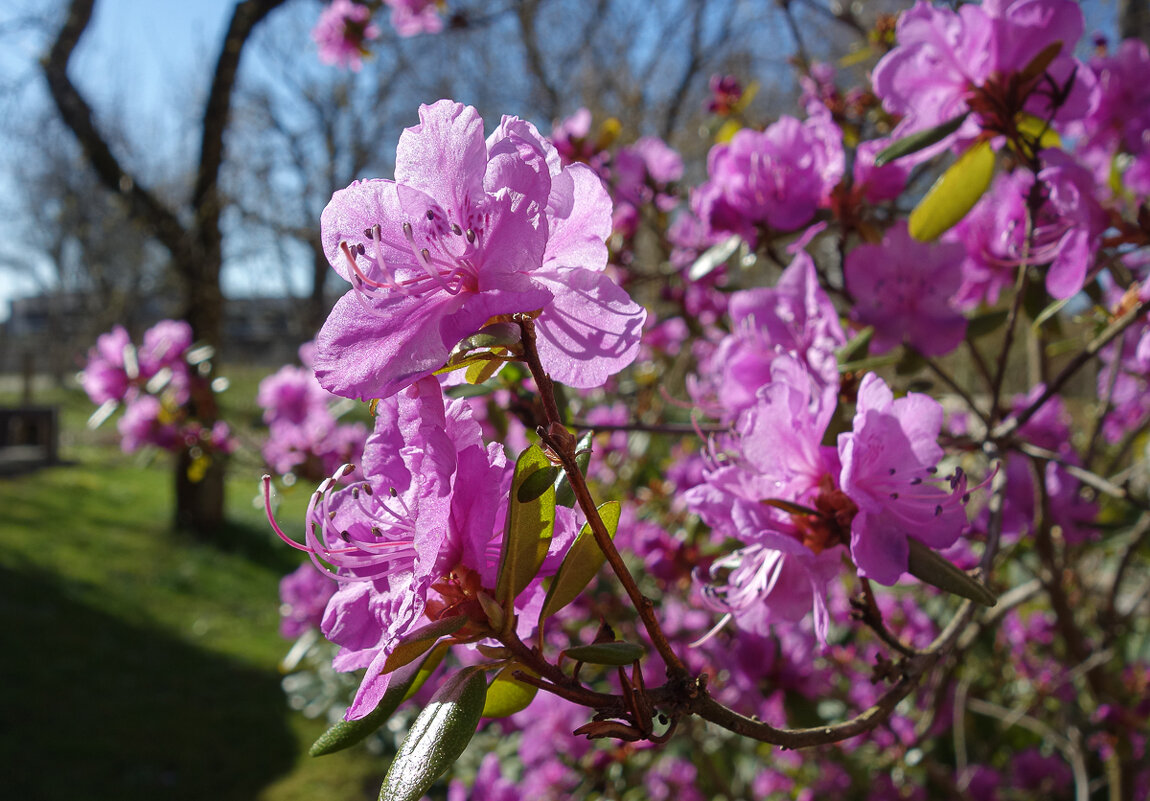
(928, 566)
(529, 529)
(421, 640)
(580, 564)
(347, 733)
(536, 484)
(606, 653)
(437, 737)
(430, 662)
(919, 140)
(857, 347)
(564, 494)
(953, 194)
(506, 695)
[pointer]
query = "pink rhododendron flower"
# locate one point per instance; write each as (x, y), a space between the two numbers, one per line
(413, 17)
(904, 288)
(875, 490)
(776, 177)
(948, 63)
(105, 376)
(417, 536)
(1120, 125)
(794, 317)
(145, 422)
(340, 33)
(469, 230)
(1067, 232)
(889, 465)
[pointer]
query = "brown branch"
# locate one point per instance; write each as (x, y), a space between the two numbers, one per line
(77, 115)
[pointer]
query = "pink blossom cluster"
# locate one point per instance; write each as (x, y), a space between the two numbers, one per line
(155, 383)
(304, 436)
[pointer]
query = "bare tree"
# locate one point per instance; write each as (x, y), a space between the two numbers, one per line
(191, 233)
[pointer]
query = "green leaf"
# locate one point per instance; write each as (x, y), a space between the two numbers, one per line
(480, 371)
(427, 667)
(953, 194)
(421, 641)
(986, 323)
(919, 140)
(581, 563)
(400, 687)
(437, 737)
(926, 565)
(564, 494)
(1049, 312)
(857, 347)
(606, 653)
(536, 484)
(507, 695)
(529, 528)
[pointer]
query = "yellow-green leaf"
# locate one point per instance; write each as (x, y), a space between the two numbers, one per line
(421, 640)
(953, 194)
(928, 566)
(530, 525)
(580, 564)
(404, 683)
(437, 737)
(507, 695)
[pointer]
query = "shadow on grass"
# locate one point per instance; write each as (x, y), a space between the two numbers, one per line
(93, 708)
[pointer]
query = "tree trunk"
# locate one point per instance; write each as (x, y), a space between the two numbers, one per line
(200, 495)
(1134, 20)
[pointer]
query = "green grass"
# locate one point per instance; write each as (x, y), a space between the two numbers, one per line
(138, 663)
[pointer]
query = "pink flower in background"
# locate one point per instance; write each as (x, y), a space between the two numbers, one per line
(341, 31)
(146, 422)
(304, 594)
(905, 288)
(726, 92)
(795, 317)
(106, 376)
(413, 17)
(777, 177)
(948, 63)
(467, 231)
(1067, 232)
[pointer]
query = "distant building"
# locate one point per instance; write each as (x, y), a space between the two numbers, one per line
(56, 330)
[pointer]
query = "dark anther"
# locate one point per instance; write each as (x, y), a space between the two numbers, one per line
(355, 493)
(932, 470)
(470, 235)
(430, 214)
(360, 250)
(966, 498)
(367, 488)
(892, 471)
(938, 510)
(376, 531)
(426, 254)
(343, 535)
(894, 496)
(407, 229)
(914, 482)
(455, 229)
(394, 494)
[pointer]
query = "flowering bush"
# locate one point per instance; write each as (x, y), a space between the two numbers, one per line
(531, 426)
(163, 386)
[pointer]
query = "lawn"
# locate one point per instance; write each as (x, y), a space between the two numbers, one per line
(138, 663)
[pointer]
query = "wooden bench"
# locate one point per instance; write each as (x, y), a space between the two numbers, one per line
(29, 438)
